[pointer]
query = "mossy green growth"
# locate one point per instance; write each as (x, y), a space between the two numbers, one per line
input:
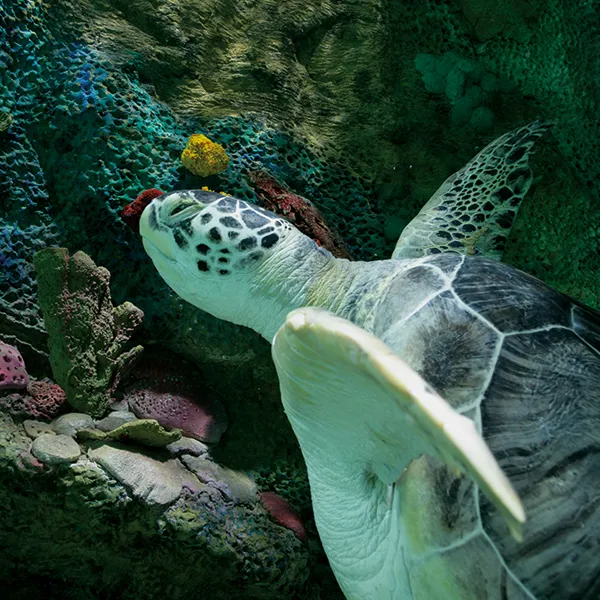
(147, 432)
(87, 336)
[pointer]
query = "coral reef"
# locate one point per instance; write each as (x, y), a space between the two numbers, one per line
(87, 335)
(276, 197)
(13, 375)
(203, 157)
(155, 528)
(170, 391)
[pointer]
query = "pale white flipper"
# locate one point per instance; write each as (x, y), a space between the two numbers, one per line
(474, 209)
(350, 398)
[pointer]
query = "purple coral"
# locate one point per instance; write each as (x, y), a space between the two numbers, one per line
(170, 392)
(13, 375)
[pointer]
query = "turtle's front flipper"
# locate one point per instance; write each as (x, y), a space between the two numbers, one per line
(358, 409)
(474, 209)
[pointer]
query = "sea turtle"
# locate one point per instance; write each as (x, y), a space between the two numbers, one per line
(360, 377)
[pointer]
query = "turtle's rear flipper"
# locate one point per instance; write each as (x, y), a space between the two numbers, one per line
(474, 209)
(361, 414)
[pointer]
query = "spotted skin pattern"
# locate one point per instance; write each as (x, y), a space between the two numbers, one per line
(227, 235)
(474, 209)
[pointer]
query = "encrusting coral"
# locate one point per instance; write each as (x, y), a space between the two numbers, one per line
(87, 336)
(203, 157)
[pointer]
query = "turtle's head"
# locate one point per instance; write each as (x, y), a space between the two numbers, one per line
(220, 253)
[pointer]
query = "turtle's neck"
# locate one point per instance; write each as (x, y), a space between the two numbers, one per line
(299, 274)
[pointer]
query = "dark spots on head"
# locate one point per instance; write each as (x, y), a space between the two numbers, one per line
(441, 208)
(503, 193)
(223, 272)
(232, 234)
(435, 251)
(255, 256)
(203, 249)
(224, 250)
(254, 220)
(444, 235)
(180, 239)
(265, 230)
(465, 218)
(515, 155)
(223, 259)
(455, 222)
(187, 227)
(247, 243)
(269, 241)
(488, 206)
(478, 218)
(214, 234)
(455, 244)
(230, 222)
(468, 228)
(227, 205)
(206, 218)
(203, 266)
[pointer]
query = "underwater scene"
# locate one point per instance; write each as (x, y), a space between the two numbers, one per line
(300, 299)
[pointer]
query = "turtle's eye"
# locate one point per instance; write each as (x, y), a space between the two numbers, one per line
(178, 208)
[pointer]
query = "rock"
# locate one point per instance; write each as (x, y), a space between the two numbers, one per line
(235, 486)
(36, 428)
(55, 449)
(115, 419)
(149, 479)
(186, 445)
(71, 423)
(166, 389)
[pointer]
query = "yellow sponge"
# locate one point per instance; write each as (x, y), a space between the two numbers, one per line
(203, 157)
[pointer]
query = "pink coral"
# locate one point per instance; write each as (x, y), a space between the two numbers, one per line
(275, 197)
(283, 513)
(172, 393)
(13, 375)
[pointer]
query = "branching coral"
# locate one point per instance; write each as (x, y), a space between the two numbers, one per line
(87, 336)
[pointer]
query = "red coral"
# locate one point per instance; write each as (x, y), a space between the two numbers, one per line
(132, 213)
(283, 513)
(46, 400)
(42, 400)
(169, 391)
(275, 197)
(13, 375)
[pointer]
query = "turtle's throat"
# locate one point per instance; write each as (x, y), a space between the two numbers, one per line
(299, 273)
